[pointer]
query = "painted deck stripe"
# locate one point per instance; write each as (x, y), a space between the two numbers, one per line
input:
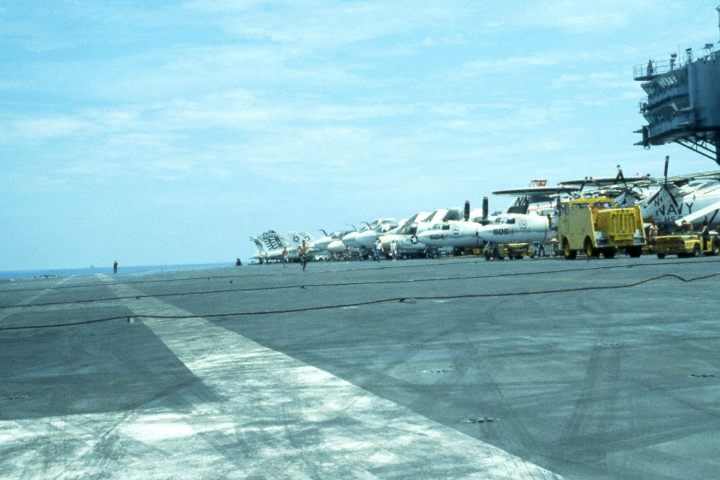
(318, 423)
(271, 416)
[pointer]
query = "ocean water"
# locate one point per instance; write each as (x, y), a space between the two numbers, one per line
(122, 270)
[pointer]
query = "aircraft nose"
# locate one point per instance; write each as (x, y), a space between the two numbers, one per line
(426, 238)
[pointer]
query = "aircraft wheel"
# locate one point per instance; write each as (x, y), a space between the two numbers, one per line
(696, 251)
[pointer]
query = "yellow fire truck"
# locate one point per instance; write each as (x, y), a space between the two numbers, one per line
(597, 225)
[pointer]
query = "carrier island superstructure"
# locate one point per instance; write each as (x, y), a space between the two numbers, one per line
(683, 100)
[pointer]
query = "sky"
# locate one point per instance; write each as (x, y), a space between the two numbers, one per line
(168, 132)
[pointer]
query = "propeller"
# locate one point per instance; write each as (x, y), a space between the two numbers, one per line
(466, 212)
(485, 209)
(667, 165)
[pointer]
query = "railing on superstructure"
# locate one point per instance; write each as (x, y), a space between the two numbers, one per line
(655, 68)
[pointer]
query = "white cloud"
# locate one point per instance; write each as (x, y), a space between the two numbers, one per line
(580, 16)
(49, 127)
(595, 80)
(323, 25)
(222, 6)
(478, 68)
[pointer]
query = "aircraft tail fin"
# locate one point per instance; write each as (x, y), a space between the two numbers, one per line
(709, 213)
(258, 244)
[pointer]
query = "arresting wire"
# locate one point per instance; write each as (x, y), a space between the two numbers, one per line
(404, 299)
(321, 285)
(224, 277)
(394, 267)
(326, 285)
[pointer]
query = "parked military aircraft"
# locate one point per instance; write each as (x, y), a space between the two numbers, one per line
(504, 228)
(362, 242)
(665, 201)
(401, 241)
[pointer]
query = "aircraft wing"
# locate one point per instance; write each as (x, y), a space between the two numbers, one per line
(606, 181)
(710, 211)
(680, 179)
(518, 192)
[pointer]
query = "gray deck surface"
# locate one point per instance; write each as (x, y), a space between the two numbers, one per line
(591, 384)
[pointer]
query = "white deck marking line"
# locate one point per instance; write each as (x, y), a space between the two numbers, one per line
(9, 311)
(319, 422)
(276, 417)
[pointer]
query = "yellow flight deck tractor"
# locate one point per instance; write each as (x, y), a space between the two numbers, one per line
(500, 251)
(687, 244)
(597, 225)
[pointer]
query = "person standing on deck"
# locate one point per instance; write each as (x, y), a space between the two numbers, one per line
(705, 233)
(115, 267)
(303, 254)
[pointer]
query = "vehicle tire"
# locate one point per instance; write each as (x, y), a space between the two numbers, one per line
(696, 251)
(518, 257)
(634, 252)
(590, 251)
(661, 256)
(609, 253)
(715, 249)
(568, 253)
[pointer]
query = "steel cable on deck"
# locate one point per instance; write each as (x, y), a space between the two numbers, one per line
(321, 285)
(210, 277)
(395, 267)
(405, 299)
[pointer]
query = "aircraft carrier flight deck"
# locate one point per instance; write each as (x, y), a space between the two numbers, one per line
(424, 369)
